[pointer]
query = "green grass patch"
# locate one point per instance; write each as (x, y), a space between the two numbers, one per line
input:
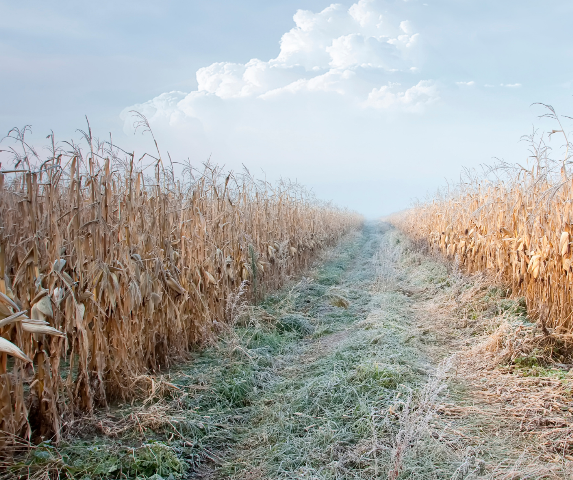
(99, 460)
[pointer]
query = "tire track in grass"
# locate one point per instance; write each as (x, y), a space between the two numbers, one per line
(327, 413)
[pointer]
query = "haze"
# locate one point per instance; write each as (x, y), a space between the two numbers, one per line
(371, 104)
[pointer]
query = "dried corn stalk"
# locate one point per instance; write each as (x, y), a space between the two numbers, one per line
(119, 274)
(519, 224)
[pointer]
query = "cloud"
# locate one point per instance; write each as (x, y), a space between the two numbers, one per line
(341, 74)
(466, 84)
(511, 85)
(358, 53)
(414, 98)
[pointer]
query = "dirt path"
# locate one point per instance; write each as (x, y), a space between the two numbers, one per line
(359, 371)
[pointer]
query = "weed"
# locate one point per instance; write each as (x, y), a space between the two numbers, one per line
(295, 323)
(95, 460)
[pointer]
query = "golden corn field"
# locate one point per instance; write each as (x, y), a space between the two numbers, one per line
(514, 221)
(113, 266)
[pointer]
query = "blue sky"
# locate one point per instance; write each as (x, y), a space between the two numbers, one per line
(369, 103)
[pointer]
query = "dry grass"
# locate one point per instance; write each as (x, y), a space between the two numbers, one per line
(514, 385)
(414, 418)
(121, 264)
(506, 413)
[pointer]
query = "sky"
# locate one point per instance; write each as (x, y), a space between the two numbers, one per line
(371, 104)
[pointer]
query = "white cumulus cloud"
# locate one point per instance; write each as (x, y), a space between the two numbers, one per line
(348, 51)
(414, 98)
(335, 65)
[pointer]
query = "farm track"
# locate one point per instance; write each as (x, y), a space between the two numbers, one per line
(357, 371)
(332, 408)
(313, 422)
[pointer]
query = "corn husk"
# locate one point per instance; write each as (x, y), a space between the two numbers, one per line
(41, 329)
(517, 226)
(7, 301)
(11, 319)
(11, 349)
(123, 264)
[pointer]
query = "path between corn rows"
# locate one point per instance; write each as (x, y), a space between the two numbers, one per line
(335, 377)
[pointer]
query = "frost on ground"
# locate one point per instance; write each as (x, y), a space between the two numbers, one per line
(375, 365)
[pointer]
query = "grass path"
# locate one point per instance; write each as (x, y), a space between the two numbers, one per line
(346, 374)
(326, 398)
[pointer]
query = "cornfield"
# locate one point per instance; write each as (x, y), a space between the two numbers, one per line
(112, 267)
(514, 221)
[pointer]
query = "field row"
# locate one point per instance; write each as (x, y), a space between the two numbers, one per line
(515, 222)
(107, 274)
